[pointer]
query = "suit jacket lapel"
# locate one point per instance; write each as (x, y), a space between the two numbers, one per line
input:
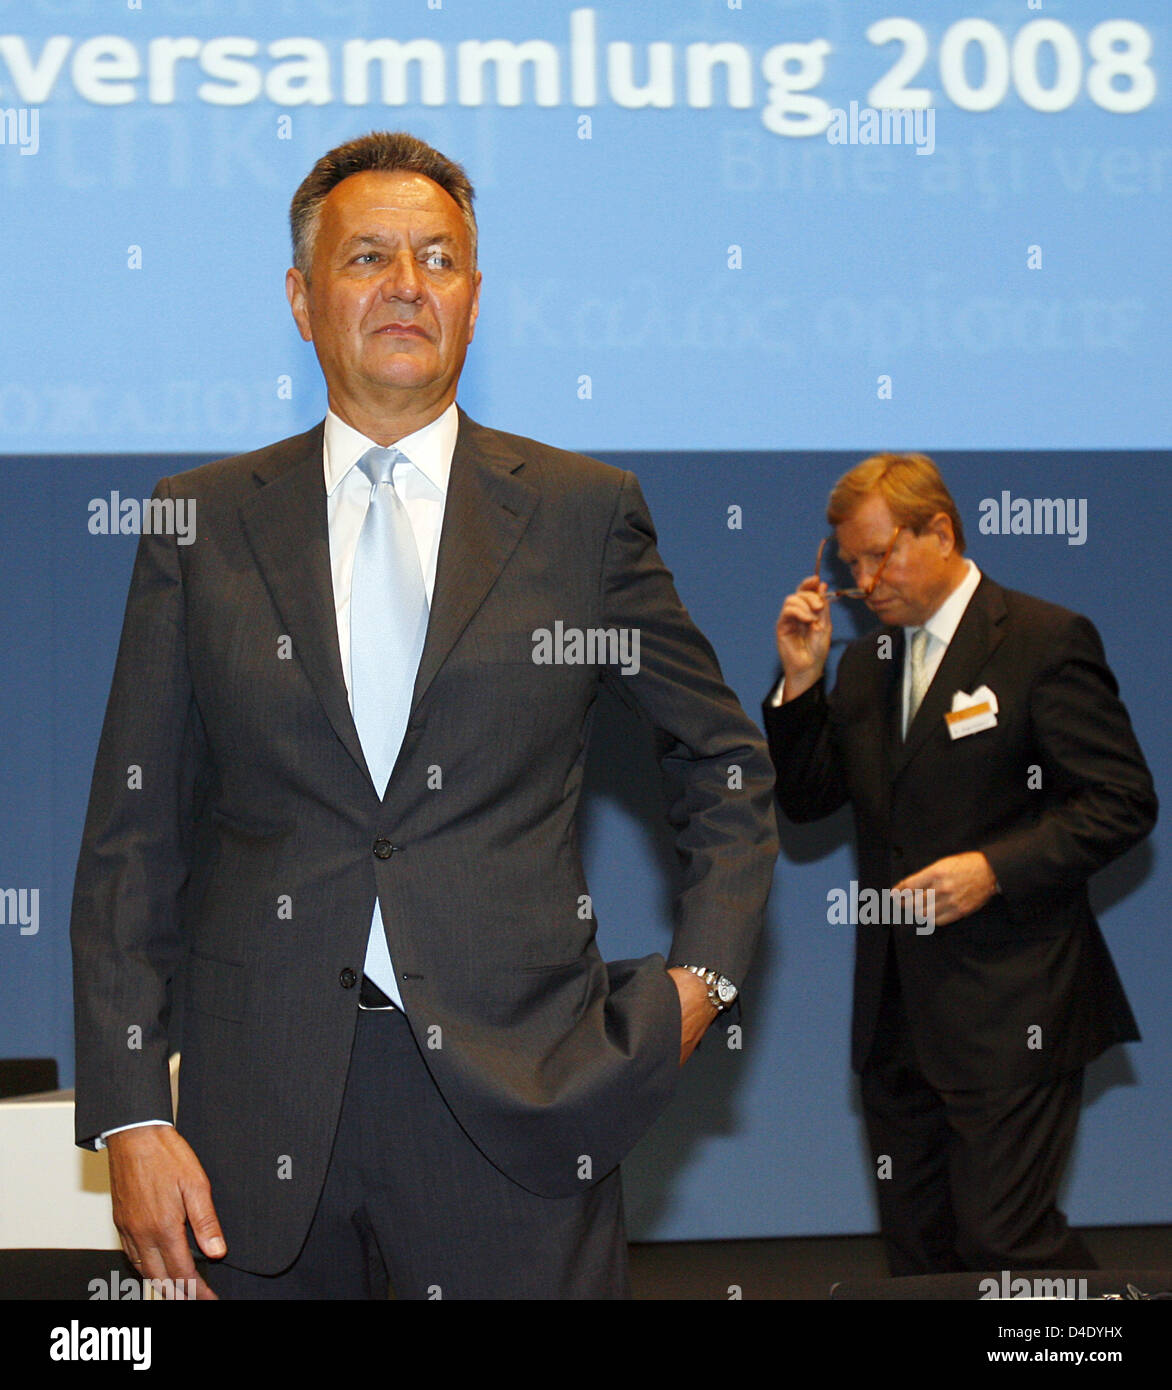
(488, 507)
(978, 636)
(892, 697)
(286, 525)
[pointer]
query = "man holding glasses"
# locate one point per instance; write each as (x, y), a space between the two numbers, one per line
(992, 768)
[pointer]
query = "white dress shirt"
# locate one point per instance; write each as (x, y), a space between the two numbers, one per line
(941, 628)
(423, 490)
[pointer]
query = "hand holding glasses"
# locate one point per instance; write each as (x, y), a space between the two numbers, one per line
(803, 626)
(862, 592)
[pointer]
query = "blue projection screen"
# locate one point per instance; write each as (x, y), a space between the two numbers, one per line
(734, 247)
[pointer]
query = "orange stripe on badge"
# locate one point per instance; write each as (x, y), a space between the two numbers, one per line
(957, 715)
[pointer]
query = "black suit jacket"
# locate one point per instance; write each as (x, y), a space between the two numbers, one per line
(252, 843)
(1055, 791)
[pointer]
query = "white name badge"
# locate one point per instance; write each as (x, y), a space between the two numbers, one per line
(971, 713)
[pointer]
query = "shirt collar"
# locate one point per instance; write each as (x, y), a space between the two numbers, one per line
(430, 449)
(943, 623)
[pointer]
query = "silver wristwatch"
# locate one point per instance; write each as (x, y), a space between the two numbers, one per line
(721, 990)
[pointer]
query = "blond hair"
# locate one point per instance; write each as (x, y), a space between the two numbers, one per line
(911, 486)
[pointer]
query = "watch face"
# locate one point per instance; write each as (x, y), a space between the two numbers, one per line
(726, 991)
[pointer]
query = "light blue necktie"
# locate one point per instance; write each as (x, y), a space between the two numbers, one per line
(388, 624)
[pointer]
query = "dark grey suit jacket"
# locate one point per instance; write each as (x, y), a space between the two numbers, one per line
(1054, 792)
(252, 843)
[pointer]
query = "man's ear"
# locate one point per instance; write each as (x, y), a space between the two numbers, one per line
(475, 311)
(297, 293)
(941, 527)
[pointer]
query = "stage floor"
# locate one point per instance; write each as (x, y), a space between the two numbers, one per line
(806, 1267)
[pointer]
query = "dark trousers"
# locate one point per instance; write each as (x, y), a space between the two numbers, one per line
(409, 1200)
(973, 1175)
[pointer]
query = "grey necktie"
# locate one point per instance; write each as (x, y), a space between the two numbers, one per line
(919, 674)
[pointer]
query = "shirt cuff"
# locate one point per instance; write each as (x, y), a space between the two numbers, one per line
(100, 1141)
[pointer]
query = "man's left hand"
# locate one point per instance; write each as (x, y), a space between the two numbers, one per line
(695, 1009)
(962, 883)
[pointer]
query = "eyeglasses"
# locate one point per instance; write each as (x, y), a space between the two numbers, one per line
(859, 592)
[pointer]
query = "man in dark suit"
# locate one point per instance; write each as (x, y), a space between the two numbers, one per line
(338, 782)
(980, 740)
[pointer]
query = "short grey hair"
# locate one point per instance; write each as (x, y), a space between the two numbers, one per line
(382, 151)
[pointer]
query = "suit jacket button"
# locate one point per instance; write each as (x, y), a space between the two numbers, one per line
(383, 848)
(348, 978)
